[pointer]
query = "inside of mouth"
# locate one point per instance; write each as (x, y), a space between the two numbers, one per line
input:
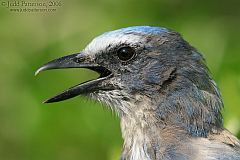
(101, 70)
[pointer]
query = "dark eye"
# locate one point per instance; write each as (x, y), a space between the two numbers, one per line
(125, 53)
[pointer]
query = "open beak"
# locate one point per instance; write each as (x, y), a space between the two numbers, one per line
(77, 60)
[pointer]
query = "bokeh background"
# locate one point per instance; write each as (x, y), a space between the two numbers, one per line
(81, 128)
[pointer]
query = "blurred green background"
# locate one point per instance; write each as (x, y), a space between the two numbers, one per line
(81, 128)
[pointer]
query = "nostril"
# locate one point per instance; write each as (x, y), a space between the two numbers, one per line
(78, 59)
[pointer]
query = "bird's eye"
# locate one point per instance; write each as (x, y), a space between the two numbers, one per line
(125, 53)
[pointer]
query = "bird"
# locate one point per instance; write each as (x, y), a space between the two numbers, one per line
(161, 89)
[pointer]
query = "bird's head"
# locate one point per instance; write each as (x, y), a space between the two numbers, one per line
(150, 69)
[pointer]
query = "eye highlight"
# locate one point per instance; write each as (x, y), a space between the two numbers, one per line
(125, 53)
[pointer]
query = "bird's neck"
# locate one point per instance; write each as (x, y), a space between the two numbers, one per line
(153, 122)
(142, 132)
(137, 135)
(147, 139)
